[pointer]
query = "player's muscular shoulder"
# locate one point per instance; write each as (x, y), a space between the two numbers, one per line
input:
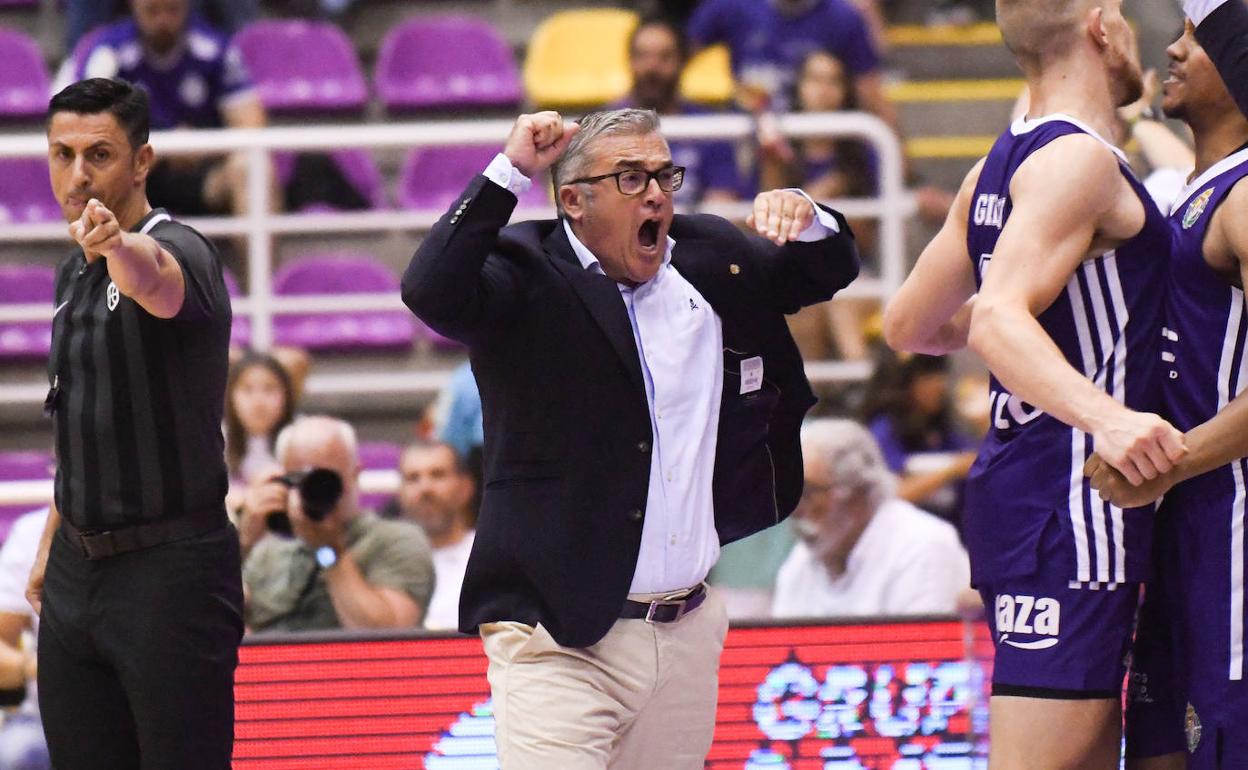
(1077, 178)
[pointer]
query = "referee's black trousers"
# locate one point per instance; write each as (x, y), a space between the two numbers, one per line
(137, 655)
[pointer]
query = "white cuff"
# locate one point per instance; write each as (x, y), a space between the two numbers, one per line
(824, 225)
(1199, 10)
(502, 173)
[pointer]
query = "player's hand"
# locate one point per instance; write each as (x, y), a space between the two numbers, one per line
(97, 230)
(1151, 87)
(536, 141)
(781, 215)
(1140, 446)
(1114, 488)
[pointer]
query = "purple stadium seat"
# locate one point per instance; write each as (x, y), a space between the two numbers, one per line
(433, 177)
(378, 456)
(19, 285)
(19, 3)
(23, 78)
(341, 274)
(22, 466)
(25, 192)
(357, 167)
(240, 332)
(444, 62)
(303, 66)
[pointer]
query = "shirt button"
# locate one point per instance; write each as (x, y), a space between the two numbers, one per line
(634, 515)
(643, 446)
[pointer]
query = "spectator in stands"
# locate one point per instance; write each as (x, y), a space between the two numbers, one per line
(911, 414)
(657, 53)
(769, 38)
(350, 570)
(22, 745)
(436, 492)
(861, 550)
(82, 16)
(455, 418)
(259, 402)
(195, 79)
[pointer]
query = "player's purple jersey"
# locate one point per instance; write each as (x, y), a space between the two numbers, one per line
(1027, 483)
(1205, 367)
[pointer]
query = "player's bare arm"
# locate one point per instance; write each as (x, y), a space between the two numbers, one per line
(137, 264)
(1070, 201)
(931, 313)
(1224, 438)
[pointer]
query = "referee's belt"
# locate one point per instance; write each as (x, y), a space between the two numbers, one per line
(665, 610)
(97, 544)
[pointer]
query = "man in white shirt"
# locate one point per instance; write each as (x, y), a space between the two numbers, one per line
(435, 491)
(641, 398)
(862, 551)
(22, 745)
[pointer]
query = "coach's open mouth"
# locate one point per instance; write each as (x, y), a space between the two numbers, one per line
(648, 234)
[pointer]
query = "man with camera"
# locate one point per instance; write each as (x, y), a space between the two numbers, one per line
(323, 562)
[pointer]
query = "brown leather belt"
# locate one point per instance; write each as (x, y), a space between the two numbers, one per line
(98, 544)
(665, 610)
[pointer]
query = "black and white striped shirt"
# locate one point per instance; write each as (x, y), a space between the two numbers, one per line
(138, 399)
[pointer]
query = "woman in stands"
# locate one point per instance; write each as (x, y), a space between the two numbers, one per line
(259, 402)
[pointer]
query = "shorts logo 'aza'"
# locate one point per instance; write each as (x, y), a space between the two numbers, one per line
(1028, 615)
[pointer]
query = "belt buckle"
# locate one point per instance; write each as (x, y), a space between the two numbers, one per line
(654, 605)
(104, 539)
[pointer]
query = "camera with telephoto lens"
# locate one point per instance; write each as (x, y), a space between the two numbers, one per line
(319, 488)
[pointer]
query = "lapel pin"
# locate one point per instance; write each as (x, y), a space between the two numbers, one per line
(735, 269)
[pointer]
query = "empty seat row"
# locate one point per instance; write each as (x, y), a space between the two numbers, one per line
(318, 274)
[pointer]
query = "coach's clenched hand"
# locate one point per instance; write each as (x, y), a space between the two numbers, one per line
(780, 216)
(536, 141)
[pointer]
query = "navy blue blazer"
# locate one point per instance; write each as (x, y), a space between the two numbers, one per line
(567, 426)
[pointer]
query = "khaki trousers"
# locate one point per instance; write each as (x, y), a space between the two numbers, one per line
(643, 697)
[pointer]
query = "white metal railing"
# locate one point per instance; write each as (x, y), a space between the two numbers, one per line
(891, 207)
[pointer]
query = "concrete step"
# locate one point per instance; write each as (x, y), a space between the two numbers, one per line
(954, 107)
(973, 51)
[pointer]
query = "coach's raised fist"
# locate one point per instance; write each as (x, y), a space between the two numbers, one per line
(536, 141)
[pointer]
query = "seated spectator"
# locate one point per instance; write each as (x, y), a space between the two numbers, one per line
(436, 492)
(455, 418)
(22, 745)
(657, 53)
(259, 402)
(195, 79)
(768, 39)
(910, 411)
(861, 551)
(349, 570)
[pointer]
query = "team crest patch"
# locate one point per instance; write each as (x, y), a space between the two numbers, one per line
(114, 296)
(1191, 726)
(1197, 208)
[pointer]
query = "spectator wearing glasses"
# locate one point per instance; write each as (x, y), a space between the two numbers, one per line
(861, 550)
(642, 399)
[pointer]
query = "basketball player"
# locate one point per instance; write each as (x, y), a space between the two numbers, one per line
(1068, 253)
(1205, 373)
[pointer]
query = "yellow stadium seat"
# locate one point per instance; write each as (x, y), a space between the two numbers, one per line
(707, 78)
(579, 59)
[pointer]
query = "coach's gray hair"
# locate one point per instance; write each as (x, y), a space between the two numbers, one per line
(320, 426)
(575, 160)
(853, 458)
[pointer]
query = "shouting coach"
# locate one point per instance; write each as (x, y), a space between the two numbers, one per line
(642, 399)
(137, 579)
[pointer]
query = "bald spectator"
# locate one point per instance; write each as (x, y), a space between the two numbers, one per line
(349, 570)
(861, 550)
(195, 78)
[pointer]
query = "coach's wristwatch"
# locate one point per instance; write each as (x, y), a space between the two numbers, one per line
(326, 556)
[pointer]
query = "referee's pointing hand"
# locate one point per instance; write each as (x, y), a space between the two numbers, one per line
(96, 231)
(536, 141)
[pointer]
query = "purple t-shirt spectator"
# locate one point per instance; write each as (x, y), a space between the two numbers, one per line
(768, 45)
(189, 87)
(709, 164)
(815, 169)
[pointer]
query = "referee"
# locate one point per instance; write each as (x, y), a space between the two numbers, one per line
(137, 580)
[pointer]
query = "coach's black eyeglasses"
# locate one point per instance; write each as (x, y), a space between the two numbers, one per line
(634, 180)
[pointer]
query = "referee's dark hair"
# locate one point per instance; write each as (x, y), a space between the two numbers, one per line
(127, 103)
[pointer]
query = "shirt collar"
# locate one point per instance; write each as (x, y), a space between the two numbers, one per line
(590, 262)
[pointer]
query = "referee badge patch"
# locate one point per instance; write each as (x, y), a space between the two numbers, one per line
(114, 296)
(1191, 726)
